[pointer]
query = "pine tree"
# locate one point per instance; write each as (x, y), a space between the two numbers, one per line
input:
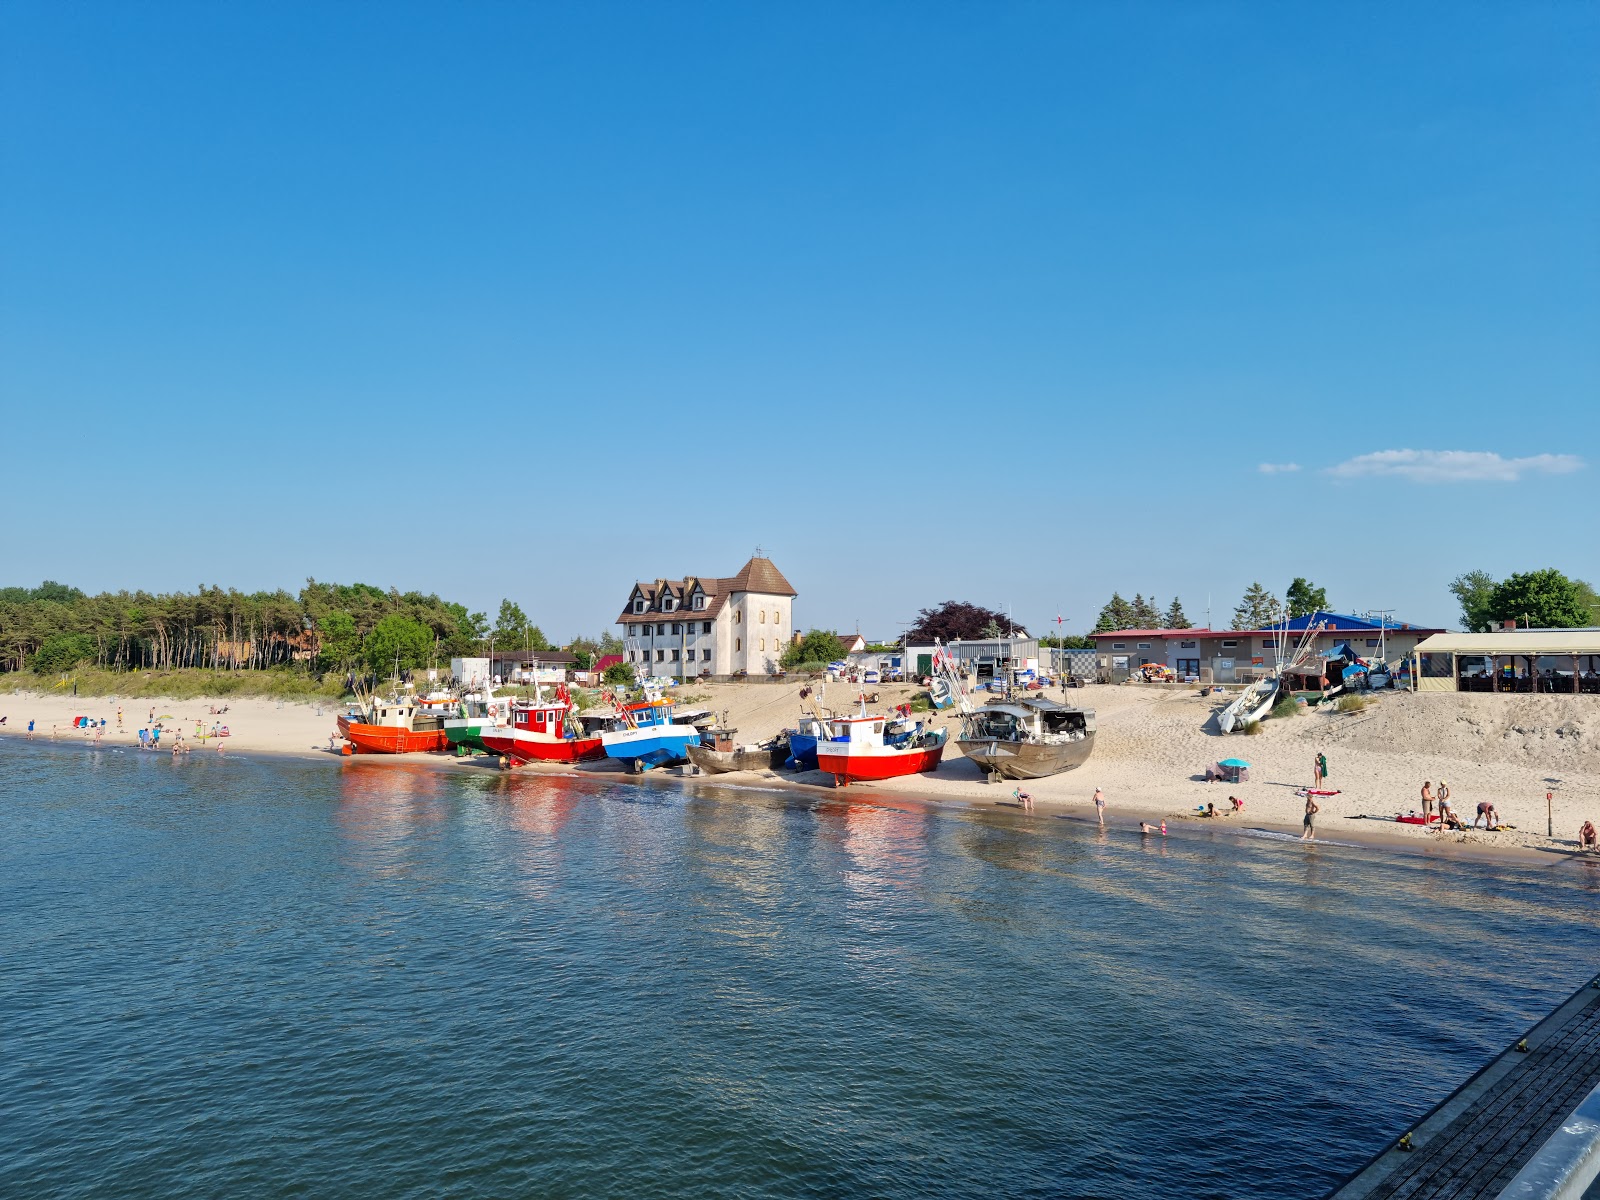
(1117, 614)
(1145, 613)
(1176, 618)
(1257, 610)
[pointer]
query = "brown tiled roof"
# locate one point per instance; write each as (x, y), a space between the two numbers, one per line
(757, 575)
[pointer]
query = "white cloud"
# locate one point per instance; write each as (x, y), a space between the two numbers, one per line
(1277, 468)
(1454, 466)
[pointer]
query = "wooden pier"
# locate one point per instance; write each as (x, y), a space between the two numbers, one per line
(1493, 1127)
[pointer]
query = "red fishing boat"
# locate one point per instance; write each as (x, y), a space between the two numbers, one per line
(392, 727)
(855, 750)
(543, 731)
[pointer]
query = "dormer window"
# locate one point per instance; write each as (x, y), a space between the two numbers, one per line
(699, 602)
(638, 604)
(668, 603)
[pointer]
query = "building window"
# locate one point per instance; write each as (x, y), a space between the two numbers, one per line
(705, 627)
(699, 602)
(762, 616)
(737, 616)
(705, 656)
(1188, 645)
(1119, 645)
(631, 654)
(674, 656)
(1230, 643)
(661, 630)
(776, 617)
(677, 629)
(762, 645)
(1144, 645)
(736, 645)
(1372, 641)
(1269, 644)
(661, 656)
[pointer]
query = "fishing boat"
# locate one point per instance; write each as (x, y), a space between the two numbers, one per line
(644, 735)
(855, 750)
(803, 739)
(394, 726)
(1027, 738)
(476, 713)
(544, 731)
(718, 755)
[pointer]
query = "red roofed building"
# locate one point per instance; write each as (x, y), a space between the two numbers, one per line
(1236, 655)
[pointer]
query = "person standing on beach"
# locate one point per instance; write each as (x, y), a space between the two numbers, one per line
(1100, 806)
(1309, 824)
(1322, 768)
(1444, 798)
(1427, 799)
(119, 716)
(1316, 771)
(30, 728)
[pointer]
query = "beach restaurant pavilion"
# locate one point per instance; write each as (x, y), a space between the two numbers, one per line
(1553, 661)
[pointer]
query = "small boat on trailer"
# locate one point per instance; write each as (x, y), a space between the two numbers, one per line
(544, 731)
(719, 755)
(1027, 738)
(395, 726)
(856, 752)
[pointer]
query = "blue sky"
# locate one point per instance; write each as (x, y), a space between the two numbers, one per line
(1007, 303)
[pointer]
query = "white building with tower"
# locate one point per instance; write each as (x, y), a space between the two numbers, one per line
(699, 625)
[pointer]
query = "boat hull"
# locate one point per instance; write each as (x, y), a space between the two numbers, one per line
(1252, 705)
(802, 752)
(469, 733)
(528, 749)
(753, 758)
(845, 767)
(1026, 760)
(389, 739)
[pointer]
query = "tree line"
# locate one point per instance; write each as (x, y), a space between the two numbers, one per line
(325, 627)
(1257, 609)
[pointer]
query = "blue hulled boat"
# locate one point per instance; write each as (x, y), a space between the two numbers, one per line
(646, 736)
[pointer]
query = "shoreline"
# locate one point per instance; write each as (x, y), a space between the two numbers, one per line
(1123, 817)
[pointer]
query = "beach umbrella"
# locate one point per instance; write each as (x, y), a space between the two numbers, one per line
(1233, 762)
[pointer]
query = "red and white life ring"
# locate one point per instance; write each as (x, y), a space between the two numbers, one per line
(494, 710)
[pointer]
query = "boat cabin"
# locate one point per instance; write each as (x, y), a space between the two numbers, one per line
(400, 714)
(1031, 720)
(860, 730)
(646, 713)
(543, 720)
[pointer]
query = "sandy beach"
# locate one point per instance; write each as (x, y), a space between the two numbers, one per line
(1151, 750)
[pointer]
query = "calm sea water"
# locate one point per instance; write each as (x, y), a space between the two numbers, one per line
(243, 978)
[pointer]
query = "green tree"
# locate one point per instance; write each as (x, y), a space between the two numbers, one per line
(1257, 610)
(1146, 613)
(621, 672)
(1545, 599)
(511, 625)
(1117, 614)
(1303, 599)
(1472, 591)
(62, 652)
(1175, 617)
(398, 641)
(339, 643)
(610, 643)
(818, 645)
